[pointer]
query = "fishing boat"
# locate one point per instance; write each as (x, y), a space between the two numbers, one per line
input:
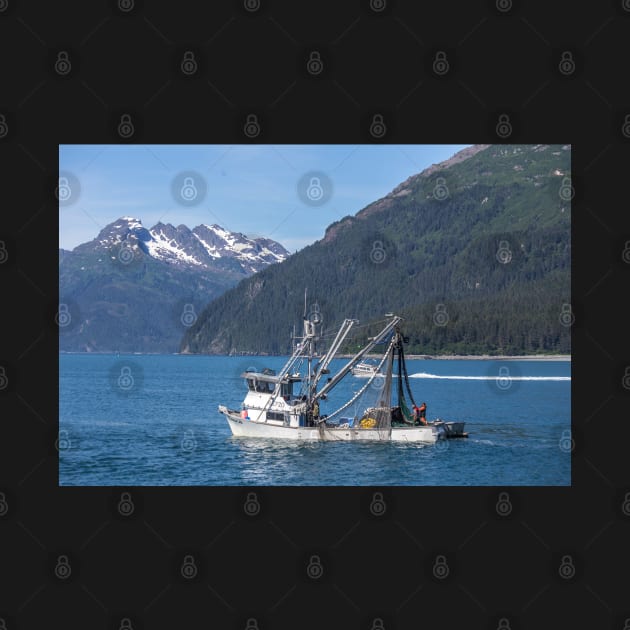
(286, 405)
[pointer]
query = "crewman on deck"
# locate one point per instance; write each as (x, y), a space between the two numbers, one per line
(420, 413)
(315, 410)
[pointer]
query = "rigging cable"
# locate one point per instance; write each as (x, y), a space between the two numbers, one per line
(378, 367)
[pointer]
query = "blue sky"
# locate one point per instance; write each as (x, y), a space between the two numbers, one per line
(258, 190)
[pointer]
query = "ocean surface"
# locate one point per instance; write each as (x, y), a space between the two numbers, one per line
(152, 420)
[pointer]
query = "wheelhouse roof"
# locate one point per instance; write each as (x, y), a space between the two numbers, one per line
(271, 378)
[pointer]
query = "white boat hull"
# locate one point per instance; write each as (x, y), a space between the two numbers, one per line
(241, 427)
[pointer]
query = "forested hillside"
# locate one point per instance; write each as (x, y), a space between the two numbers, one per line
(475, 253)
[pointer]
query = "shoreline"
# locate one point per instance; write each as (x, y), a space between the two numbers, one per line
(479, 357)
(426, 357)
(488, 357)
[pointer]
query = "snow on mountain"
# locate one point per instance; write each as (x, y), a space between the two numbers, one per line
(252, 253)
(204, 247)
(162, 247)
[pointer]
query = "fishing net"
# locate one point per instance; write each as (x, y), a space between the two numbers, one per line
(402, 415)
(375, 409)
(372, 408)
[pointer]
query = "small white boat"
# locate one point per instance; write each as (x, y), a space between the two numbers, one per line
(287, 405)
(364, 369)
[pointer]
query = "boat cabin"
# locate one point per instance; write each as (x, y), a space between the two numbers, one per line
(260, 388)
(265, 382)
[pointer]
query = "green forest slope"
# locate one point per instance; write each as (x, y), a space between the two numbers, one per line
(474, 253)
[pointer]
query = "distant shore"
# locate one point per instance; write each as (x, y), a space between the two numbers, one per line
(487, 357)
(481, 357)
(437, 357)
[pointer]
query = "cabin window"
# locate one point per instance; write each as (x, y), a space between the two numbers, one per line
(272, 415)
(287, 390)
(250, 384)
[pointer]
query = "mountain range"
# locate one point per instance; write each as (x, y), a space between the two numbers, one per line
(203, 247)
(475, 253)
(133, 289)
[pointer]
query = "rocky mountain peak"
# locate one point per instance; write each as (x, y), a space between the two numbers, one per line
(203, 247)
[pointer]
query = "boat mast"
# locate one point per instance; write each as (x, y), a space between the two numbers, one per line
(307, 342)
(310, 336)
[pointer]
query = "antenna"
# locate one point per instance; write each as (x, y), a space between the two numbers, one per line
(304, 316)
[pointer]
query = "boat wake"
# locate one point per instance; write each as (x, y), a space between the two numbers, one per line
(490, 378)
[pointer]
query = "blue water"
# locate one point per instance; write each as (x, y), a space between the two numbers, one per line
(134, 420)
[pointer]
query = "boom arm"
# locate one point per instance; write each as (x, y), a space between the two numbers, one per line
(341, 335)
(357, 357)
